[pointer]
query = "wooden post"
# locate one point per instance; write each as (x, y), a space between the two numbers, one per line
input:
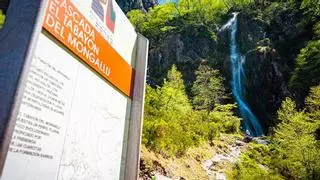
(135, 126)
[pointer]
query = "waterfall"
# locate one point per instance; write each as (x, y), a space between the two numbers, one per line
(250, 122)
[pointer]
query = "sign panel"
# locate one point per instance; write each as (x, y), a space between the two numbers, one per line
(64, 21)
(94, 139)
(37, 141)
(76, 103)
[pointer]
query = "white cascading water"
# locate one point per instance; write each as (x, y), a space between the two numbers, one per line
(251, 123)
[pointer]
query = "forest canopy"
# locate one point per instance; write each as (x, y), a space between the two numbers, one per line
(190, 102)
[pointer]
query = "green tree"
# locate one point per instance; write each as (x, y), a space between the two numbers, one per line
(293, 152)
(171, 125)
(296, 149)
(169, 121)
(238, 4)
(137, 18)
(287, 110)
(313, 108)
(311, 8)
(156, 22)
(307, 71)
(203, 12)
(2, 18)
(247, 168)
(316, 30)
(223, 116)
(207, 89)
(313, 104)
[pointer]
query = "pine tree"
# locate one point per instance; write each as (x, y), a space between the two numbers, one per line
(208, 88)
(296, 154)
(169, 121)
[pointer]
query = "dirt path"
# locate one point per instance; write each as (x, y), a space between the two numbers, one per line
(216, 167)
(195, 164)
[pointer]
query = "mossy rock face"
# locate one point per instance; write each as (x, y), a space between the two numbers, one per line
(250, 31)
(186, 49)
(127, 5)
(286, 33)
(265, 72)
(265, 84)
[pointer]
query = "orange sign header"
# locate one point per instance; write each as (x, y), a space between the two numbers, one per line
(65, 22)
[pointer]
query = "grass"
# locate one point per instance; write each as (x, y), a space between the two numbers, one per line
(188, 166)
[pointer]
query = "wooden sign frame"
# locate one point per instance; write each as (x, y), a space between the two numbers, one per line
(17, 45)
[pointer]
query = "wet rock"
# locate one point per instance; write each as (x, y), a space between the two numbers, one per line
(239, 143)
(247, 139)
(261, 141)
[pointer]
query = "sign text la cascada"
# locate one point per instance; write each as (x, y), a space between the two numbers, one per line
(81, 34)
